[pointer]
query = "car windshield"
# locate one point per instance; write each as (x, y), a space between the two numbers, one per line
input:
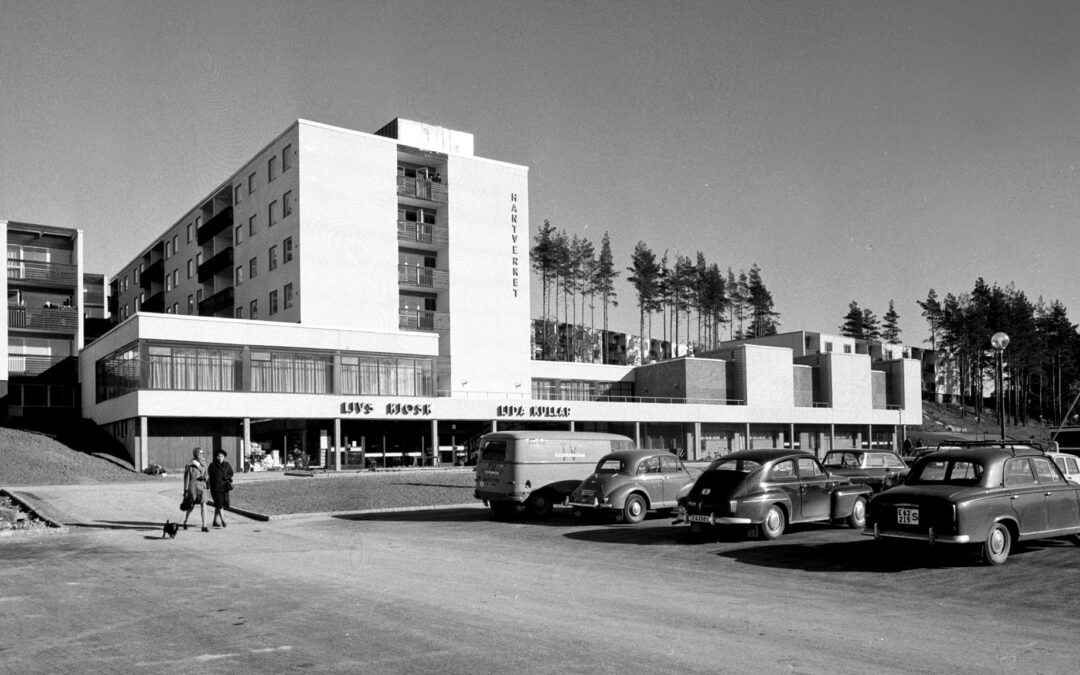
(946, 472)
(841, 460)
(609, 466)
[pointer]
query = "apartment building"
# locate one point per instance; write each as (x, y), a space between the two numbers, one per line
(44, 321)
(358, 299)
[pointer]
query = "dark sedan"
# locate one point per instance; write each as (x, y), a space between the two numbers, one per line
(769, 489)
(631, 482)
(989, 496)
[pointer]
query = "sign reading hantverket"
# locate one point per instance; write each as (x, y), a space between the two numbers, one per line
(515, 266)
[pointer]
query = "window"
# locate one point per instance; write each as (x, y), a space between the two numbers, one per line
(239, 275)
(136, 272)
(190, 267)
(649, 465)
(286, 158)
(828, 347)
(1018, 472)
(198, 258)
(176, 278)
(168, 249)
(198, 223)
(251, 225)
(847, 349)
(292, 372)
(286, 204)
(253, 309)
(387, 376)
(271, 216)
(251, 182)
(175, 244)
(176, 308)
(190, 232)
(271, 169)
(253, 268)
(190, 304)
(238, 235)
(239, 195)
(240, 312)
(188, 368)
(198, 295)
(124, 286)
(1045, 470)
(286, 249)
(273, 257)
(138, 303)
(783, 471)
(273, 303)
(168, 283)
(808, 468)
(287, 300)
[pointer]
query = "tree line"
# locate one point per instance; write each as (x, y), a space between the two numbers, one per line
(691, 297)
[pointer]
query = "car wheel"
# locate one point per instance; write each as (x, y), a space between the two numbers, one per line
(857, 519)
(539, 504)
(634, 509)
(997, 544)
(774, 523)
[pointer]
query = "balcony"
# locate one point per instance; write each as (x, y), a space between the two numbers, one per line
(37, 273)
(155, 273)
(218, 302)
(218, 263)
(155, 303)
(420, 319)
(421, 188)
(423, 277)
(222, 221)
(422, 233)
(24, 365)
(52, 319)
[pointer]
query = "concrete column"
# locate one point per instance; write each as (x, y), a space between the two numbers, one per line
(245, 445)
(572, 426)
(697, 443)
(637, 434)
(791, 434)
(143, 458)
(337, 444)
(832, 437)
(746, 436)
(434, 442)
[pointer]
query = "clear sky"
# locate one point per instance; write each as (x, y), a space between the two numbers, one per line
(861, 151)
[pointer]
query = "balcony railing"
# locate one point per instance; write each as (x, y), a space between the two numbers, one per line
(220, 262)
(26, 365)
(155, 273)
(222, 300)
(37, 272)
(420, 319)
(423, 277)
(222, 220)
(421, 188)
(55, 319)
(155, 303)
(424, 233)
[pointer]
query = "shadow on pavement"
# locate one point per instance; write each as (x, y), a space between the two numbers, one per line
(119, 525)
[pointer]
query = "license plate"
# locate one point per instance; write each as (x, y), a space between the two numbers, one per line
(586, 493)
(907, 516)
(699, 519)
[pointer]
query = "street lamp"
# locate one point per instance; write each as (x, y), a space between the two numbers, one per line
(999, 342)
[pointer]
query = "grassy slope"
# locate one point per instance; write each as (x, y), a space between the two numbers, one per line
(938, 419)
(30, 458)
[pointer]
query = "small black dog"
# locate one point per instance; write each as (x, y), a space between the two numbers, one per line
(170, 529)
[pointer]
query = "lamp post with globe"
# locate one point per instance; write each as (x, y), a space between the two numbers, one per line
(999, 341)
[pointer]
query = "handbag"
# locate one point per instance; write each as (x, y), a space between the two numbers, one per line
(228, 484)
(185, 504)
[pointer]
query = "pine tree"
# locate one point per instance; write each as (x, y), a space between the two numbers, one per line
(644, 277)
(890, 327)
(604, 276)
(853, 322)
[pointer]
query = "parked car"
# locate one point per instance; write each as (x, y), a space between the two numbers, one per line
(988, 495)
(771, 488)
(1069, 465)
(870, 467)
(632, 482)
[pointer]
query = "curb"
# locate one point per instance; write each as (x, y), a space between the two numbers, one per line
(331, 514)
(38, 509)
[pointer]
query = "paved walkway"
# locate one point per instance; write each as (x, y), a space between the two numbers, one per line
(118, 505)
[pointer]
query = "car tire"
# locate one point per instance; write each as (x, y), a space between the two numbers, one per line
(857, 519)
(998, 542)
(539, 504)
(774, 523)
(633, 511)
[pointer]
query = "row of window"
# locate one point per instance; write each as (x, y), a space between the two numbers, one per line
(194, 368)
(272, 261)
(253, 306)
(581, 390)
(288, 205)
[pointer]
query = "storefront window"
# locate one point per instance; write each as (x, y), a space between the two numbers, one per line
(292, 372)
(386, 376)
(117, 373)
(194, 368)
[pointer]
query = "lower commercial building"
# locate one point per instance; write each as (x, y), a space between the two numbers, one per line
(352, 300)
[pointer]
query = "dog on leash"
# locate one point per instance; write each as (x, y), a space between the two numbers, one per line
(170, 529)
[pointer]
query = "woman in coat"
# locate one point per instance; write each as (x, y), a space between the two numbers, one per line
(219, 480)
(194, 480)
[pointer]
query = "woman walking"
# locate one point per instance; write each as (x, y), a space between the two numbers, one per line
(219, 480)
(194, 479)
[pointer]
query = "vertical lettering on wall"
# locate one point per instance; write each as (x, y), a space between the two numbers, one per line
(513, 244)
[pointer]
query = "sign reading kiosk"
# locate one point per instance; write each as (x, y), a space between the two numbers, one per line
(391, 410)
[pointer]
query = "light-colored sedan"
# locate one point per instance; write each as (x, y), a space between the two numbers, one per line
(630, 483)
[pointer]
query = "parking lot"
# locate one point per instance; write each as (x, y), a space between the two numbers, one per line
(455, 591)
